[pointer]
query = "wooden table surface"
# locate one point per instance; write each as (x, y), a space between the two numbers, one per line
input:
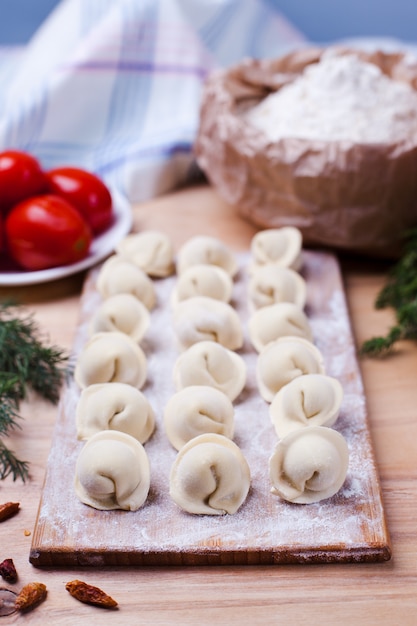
(381, 593)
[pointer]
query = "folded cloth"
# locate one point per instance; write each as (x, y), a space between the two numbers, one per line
(114, 86)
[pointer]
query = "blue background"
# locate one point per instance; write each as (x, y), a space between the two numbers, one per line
(319, 20)
(325, 20)
(19, 19)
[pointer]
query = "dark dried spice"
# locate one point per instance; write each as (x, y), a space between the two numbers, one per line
(8, 571)
(8, 509)
(30, 596)
(89, 594)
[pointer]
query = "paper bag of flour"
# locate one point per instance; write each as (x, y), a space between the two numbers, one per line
(343, 171)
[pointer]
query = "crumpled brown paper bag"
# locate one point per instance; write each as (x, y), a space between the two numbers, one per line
(359, 198)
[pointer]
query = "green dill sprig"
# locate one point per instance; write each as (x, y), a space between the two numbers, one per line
(9, 415)
(10, 465)
(9, 402)
(24, 353)
(399, 293)
(26, 363)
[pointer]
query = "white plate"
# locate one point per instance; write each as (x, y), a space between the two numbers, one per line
(101, 247)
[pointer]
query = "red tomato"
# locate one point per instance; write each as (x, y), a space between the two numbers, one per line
(46, 231)
(86, 192)
(21, 177)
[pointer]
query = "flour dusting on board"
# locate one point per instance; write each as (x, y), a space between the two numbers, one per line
(351, 522)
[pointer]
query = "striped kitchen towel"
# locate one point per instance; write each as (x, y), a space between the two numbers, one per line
(114, 86)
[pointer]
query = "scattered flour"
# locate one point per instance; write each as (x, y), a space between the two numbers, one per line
(339, 98)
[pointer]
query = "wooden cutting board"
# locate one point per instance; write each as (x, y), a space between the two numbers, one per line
(266, 530)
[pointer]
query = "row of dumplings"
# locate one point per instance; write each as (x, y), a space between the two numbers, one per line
(113, 416)
(310, 460)
(210, 474)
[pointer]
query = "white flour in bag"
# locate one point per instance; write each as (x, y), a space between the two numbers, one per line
(339, 98)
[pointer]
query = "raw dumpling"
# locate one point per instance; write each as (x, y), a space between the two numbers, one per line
(210, 476)
(203, 280)
(309, 400)
(150, 250)
(282, 319)
(124, 313)
(209, 363)
(114, 406)
(309, 465)
(205, 319)
(270, 284)
(111, 357)
(207, 250)
(197, 410)
(118, 275)
(281, 246)
(283, 360)
(112, 472)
